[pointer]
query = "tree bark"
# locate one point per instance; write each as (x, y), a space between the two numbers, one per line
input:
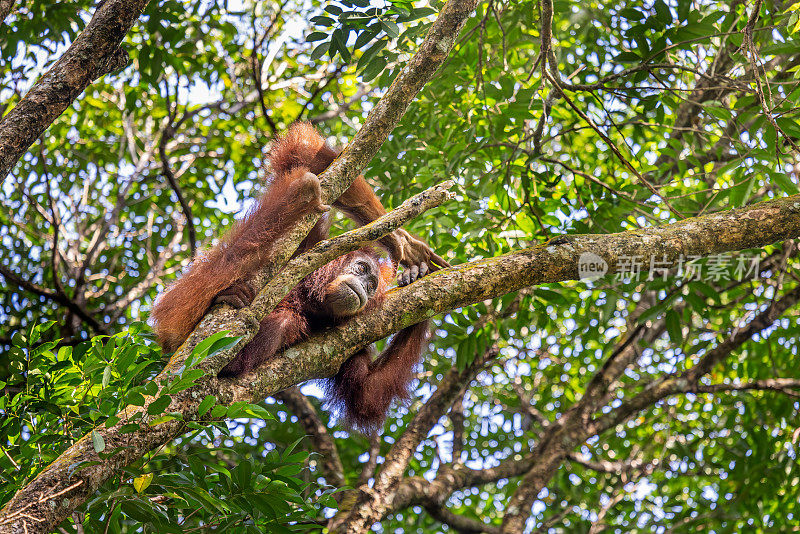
(5, 9)
(95, 52)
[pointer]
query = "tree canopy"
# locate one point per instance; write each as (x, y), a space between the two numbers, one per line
(615, 346)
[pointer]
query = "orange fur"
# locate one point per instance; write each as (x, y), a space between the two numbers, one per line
(248, 246)
(302, 146)
(363, 388)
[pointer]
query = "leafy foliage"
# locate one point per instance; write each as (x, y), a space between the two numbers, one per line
(374, 28)
(99, 383)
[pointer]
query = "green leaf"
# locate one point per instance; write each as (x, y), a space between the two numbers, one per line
(391, 28)
(663, 14)
(631, 13)
(164, 418)
(628, 57)
(323, 21)
(316, 36)
(237, 409)
(126, 358)
(421, 12)
(159, 405)
(215, 343)
(139, 512)
(150, 388)
(111, 421)
(790, 127)
(339, 44)
(741, 193)
(374, 68)
(254, 410)
(135, 398)
(673, 324)
(98, 442)
(107, 375)
(370, 53)
(218, 411)
(206, 404)
(785, 183)
(364, 37)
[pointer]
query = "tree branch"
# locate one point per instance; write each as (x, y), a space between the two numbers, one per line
(380, 122)
(95, 52)
(575, 426)
(5, 9)
(56, 296)
(371, 504)
(322, 253)
(321, 355)
(556, 445)
(368, 469)
(771, 384)
(166, 169)
(687, 381)
(340, 174)
(459, 523)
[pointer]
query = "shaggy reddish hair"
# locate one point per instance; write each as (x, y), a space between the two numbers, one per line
(364, 388)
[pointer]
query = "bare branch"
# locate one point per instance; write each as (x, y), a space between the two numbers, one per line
(784, 385)
(368, 470)
(688, 381)
(55, 296)
(166, 135)
(459, 523)
(363, 90)
(575, 425)
(604, 466)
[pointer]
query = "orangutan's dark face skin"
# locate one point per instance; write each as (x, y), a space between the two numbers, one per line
(349, 292)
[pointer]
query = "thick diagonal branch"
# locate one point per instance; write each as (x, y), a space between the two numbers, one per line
(95, 52)
(294, 271)
(340, 174)
(751, 227)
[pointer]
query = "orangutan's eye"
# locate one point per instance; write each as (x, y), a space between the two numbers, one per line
(361, 267)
